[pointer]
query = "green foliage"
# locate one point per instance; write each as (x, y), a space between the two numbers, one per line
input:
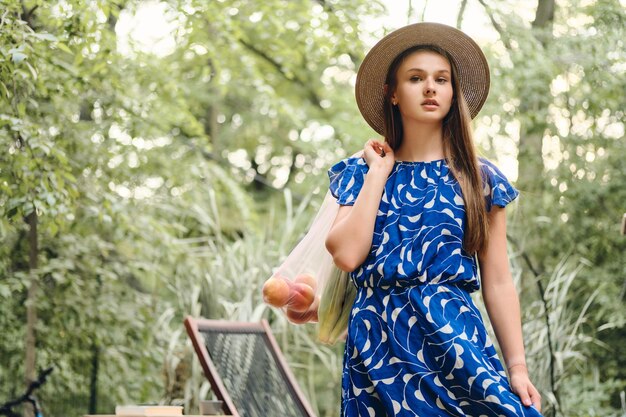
(170, 182)
(152, 177)
(561, 89)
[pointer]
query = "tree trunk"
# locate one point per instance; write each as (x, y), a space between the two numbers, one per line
(31, 304)
(531, 166)
(409, 12)
(210, 124)
(544, 16)
(534, 105)
(93, 383)
(459, 17)
(424, 11)
(211, 129)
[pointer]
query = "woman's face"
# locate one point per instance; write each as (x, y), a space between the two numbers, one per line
(424, 87)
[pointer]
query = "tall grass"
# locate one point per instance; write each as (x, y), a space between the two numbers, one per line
(225, 282)
(558, 341)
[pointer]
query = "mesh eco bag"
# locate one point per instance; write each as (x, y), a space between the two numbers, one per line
(308, 287)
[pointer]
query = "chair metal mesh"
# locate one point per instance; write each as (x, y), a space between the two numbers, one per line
(250, 374)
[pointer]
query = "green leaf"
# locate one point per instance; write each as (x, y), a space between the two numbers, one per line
(5, 291)
(5, 90)
(44, 36)
(32, 70)
(17, 56)
(53, 229)
(63, 47)
(69, 176)
(50, 199)
(21, 108)
(72, 69)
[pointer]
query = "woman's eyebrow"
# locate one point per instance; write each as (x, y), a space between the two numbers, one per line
(441, 71)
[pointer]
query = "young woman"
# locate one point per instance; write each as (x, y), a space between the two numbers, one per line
(420, 213)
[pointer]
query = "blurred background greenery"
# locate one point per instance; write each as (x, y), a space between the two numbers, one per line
(141, 181)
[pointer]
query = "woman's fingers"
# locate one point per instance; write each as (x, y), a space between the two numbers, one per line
(371, 147)
(535, 397)
(387, 148)
(528, 394)
(380, 155)
(381, 148)
(377, 146)
(525, 398)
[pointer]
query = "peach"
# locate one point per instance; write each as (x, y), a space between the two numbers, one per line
(301, 297)
(310, 315)
(306, 279)
(276, 291)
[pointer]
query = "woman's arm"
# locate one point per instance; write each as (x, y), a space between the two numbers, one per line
(350, 237)
(503, 307)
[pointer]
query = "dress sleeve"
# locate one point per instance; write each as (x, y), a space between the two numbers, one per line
(496, 187)
(346, 179)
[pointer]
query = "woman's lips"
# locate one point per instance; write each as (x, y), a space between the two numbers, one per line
(430, 105)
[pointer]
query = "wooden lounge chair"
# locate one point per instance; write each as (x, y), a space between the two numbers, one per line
(246, 369)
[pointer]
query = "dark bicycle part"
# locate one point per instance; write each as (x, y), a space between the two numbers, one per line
(7, 408)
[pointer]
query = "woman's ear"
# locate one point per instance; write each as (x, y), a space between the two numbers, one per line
(393, 98)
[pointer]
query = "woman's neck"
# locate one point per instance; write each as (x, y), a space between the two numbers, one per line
(422, 142)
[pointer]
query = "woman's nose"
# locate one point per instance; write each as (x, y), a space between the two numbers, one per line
(429, 87)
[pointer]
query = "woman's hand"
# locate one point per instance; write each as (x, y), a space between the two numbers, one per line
(379, 156)
(521, 385)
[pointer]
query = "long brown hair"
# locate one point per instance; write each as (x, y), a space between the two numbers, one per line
(458, 147)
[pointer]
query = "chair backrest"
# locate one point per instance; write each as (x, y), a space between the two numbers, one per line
(246, 369)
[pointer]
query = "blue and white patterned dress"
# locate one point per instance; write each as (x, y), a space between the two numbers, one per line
(417, 345)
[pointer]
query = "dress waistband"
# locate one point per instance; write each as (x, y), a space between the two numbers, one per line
(469, 285)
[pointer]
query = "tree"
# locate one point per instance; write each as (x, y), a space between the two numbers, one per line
(557, 80)
(134, 164)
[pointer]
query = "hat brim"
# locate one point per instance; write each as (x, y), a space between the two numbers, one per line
(470, 62)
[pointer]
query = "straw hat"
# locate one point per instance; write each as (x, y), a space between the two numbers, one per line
(471, 64)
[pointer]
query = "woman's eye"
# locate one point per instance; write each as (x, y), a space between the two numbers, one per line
(442, 80)
(416, 78)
